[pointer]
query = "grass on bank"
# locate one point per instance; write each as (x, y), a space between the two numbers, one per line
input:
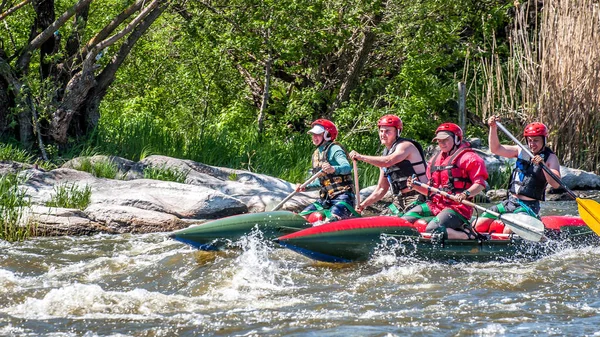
(499, 178)
(70, 196)
(165, 174)
(13, 203)
(13, 153)
(99, 169)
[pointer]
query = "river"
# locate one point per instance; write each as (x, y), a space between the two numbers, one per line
(149, 285)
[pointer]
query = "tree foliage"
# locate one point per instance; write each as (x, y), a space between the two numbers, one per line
(237, 82)
(53, 77)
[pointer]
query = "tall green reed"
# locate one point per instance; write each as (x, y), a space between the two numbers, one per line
(165, 174)
(13, 153)
(13, 204)
(100, 168)
(70, 196)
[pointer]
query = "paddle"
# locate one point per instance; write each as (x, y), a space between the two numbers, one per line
(357, 199)
(310, 180)
(525, 226)
(589, 210)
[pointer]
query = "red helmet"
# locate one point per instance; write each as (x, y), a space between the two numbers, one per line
(390, 120)
(453, 128)
(535, 129)
(331, 131)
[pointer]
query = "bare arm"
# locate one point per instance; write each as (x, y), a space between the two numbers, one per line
(508, 151)
(400, 153)
(554, 166)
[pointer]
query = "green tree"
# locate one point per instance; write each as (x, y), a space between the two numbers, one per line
(53, 80)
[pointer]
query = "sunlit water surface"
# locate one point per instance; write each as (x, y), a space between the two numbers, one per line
(149, 285)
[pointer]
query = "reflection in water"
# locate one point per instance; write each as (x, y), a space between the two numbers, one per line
(148, 285)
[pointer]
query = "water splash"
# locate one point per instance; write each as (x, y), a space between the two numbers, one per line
(253, 275)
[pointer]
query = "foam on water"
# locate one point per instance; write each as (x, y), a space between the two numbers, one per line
(91, 301)
(253, 275)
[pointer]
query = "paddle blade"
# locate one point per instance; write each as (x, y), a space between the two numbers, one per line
(527, 227)
(589, 210)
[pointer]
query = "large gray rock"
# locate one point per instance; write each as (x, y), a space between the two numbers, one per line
(40, 186)
(258, 192)
(129, 219)
(117, 206)
(53, 221)
(181, 200)
(11, 167)
(578, 179)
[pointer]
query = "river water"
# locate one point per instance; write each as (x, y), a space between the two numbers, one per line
(149, 285)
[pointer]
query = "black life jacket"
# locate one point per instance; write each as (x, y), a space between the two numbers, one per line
(457, 179)
(331, 184)
(528, 179)
(398, 173)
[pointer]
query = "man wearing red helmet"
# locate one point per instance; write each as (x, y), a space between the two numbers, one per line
(456, 170)
(528, 181)
(401, 159)
(336, 195)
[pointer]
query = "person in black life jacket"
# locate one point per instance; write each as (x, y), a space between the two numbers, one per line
(336, 195)
(457, 170)
(528, 181)
(401, 159)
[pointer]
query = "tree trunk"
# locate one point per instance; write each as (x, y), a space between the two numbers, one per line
(91, 106)
(4, 104)
(45, 17)
(265, 98)
(76, 92)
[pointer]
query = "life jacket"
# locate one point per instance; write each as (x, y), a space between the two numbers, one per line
(528, 179)
(398, 173)
(456, 180)
(331, 184)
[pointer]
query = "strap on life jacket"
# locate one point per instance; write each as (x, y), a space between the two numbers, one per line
(331, 184)
(398, 173)
(451, 164)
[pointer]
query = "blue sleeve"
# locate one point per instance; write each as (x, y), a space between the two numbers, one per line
(338, 159)
(314, 184)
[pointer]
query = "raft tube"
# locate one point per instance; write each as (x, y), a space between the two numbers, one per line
(346, 240)
(217, 234)
(357, 239)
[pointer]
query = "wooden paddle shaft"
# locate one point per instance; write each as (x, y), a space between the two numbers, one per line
(356, 186)
(528, 152)
(310, 180)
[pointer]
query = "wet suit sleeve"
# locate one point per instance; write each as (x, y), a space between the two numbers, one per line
(314, 184)
(338, 159)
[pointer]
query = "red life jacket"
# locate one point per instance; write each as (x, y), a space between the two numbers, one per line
(448, 177)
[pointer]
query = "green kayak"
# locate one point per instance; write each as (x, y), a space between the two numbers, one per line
(216, 234)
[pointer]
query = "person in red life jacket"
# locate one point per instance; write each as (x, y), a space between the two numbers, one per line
(401, 158)
(456, 170)
(336, 195)
(528, 181)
